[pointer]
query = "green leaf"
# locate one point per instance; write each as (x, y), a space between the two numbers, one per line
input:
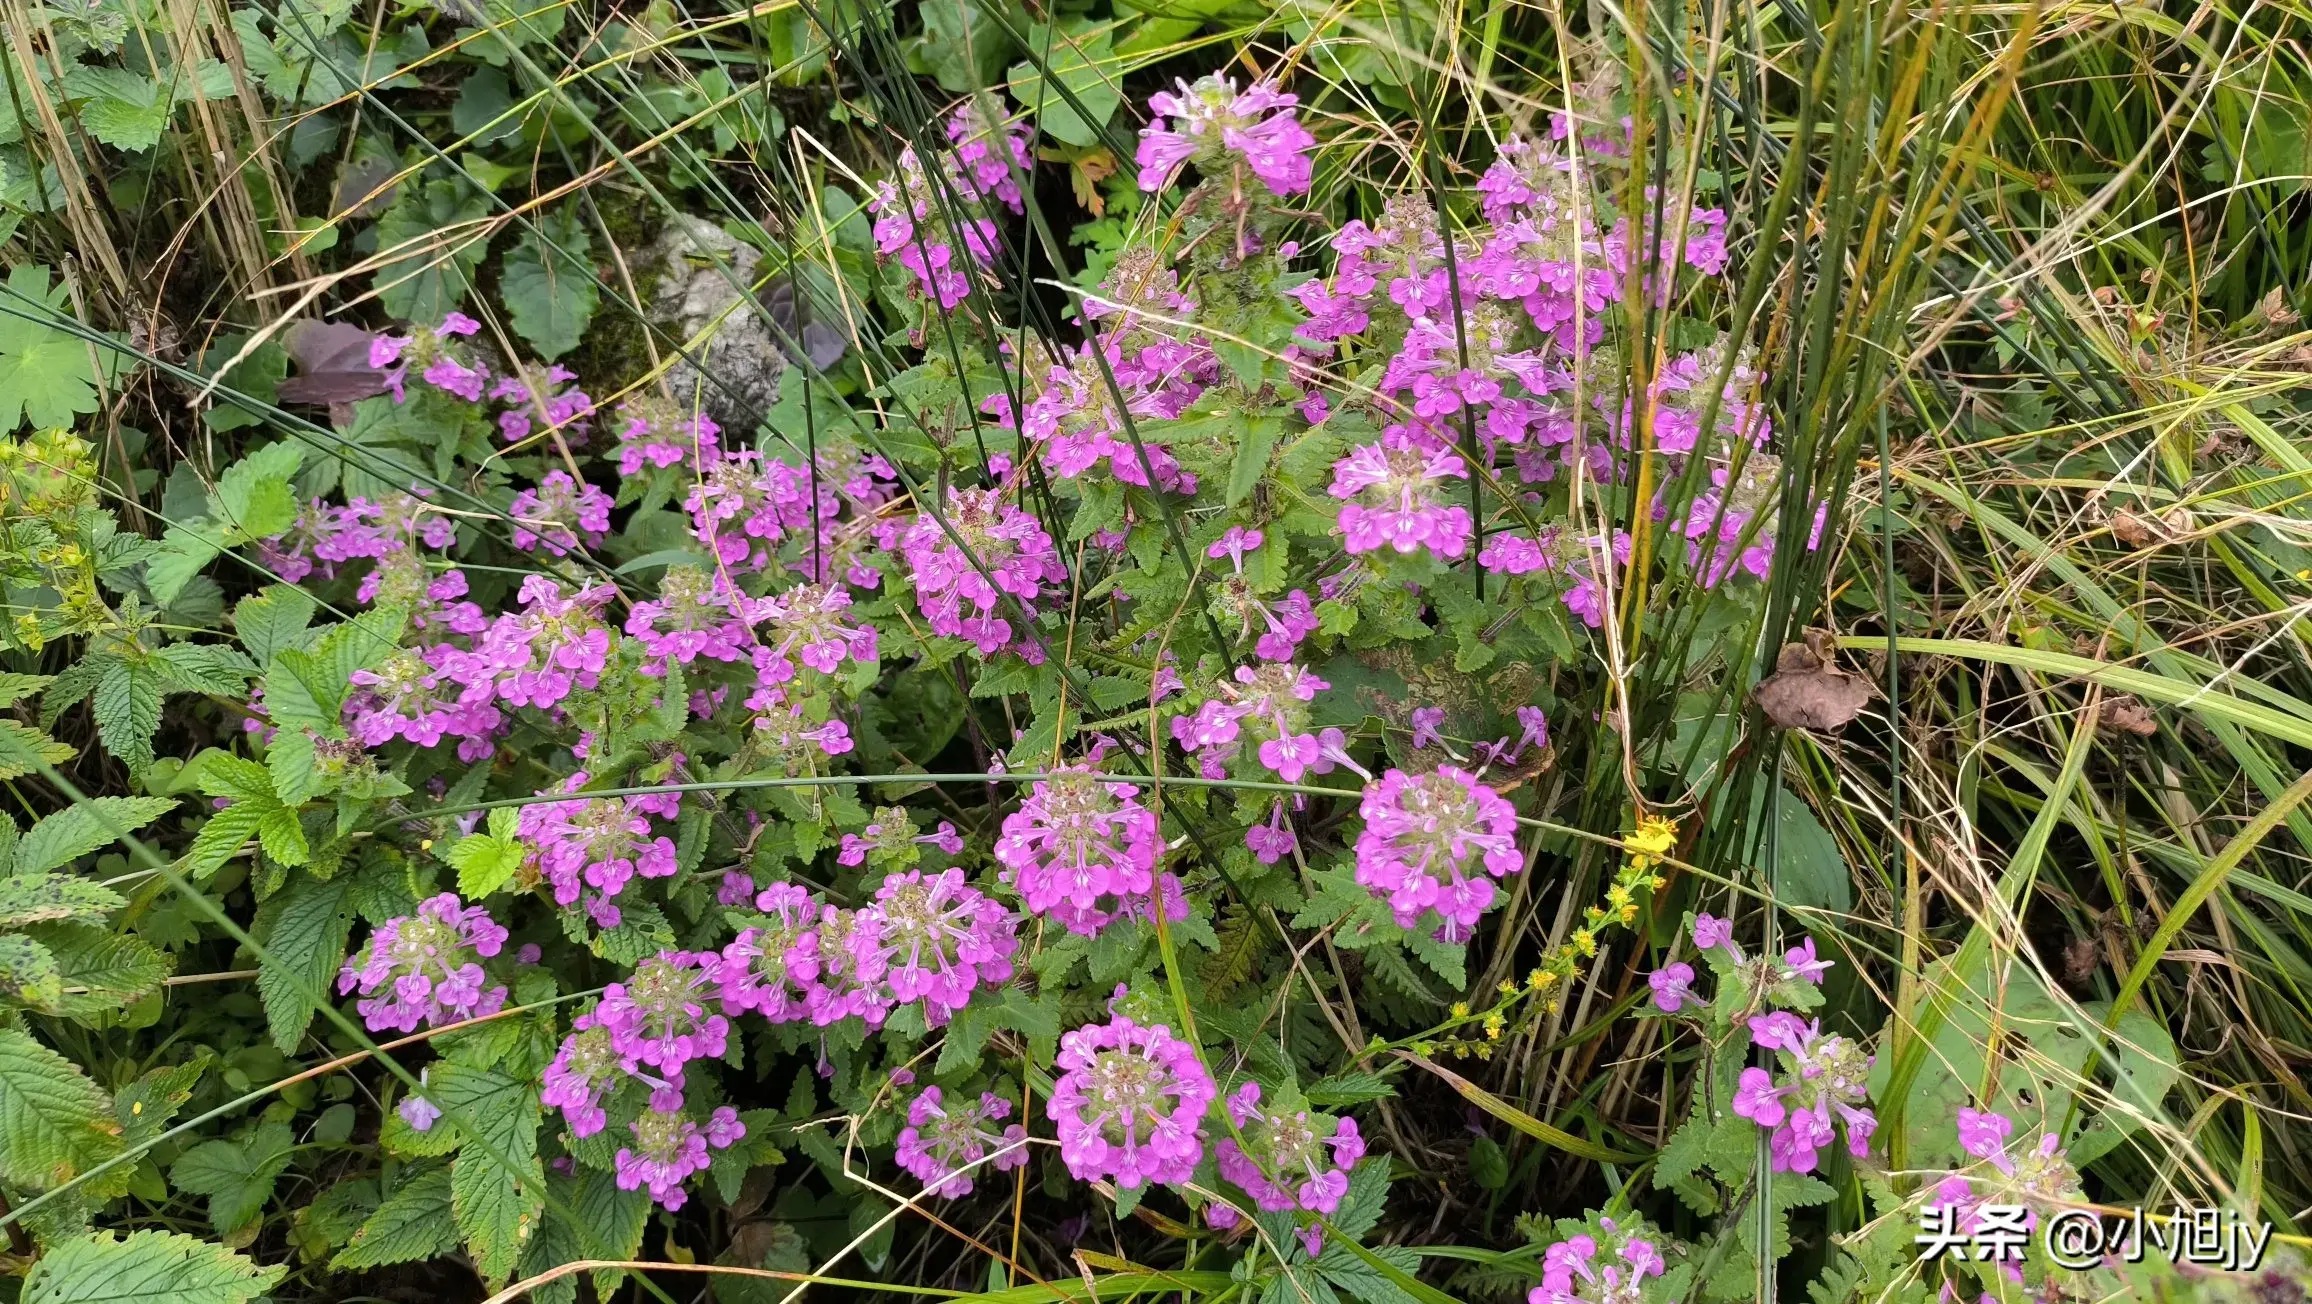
(289, 758)
(1488, 1166)
(16, 687)
(282, 836)
(75, 831)
(218, 840)
(237, 1176)
(487, 861)
(130, 111)
(301, 693)
(54, 1123)
(431, 247)
(550, 291)
(42, 897)
(303, 929)
(497, 1186)
(23, 750)
(272, 620)
(205, 668)
(1350, 1088)
(414, 1223)
(101, 971)
(1076, 62)
(1258, 440)
(146, 1268)
(128, 712)
(47, 376)
(28, 973)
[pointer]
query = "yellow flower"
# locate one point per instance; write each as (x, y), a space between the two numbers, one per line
(1539, 979)
(1585, 942)
(1460, 1009)
(1494, 1023)
(1653, 837)
(1507, 988)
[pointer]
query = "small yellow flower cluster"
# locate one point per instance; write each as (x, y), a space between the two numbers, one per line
(47, 517)
(1544, 988)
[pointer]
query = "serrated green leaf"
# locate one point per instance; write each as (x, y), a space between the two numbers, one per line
(297, 778)
(28, 973)
(1080, 95)
(547, 285)
(54, 1123)
(1258, 441)
(497, 1186)
(43, 897)
(304, 929)
(485, 862)
(25, 750)
(146, 1268)
(283, 836)
(414, 1223)
(16, 687)
(431, 244)
(102, 971)
(237, 1176)
(128, 711)
(301, 693)
(205, 668)
(218, 841)
(1349, 1088)
(272, 620)
(75, 831)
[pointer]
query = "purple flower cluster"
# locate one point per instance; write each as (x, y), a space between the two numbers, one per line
(1082, 850)
(1585, 1269)
(1432, 846)
(1008, 544)
(927, 939)
(976, 177)
(1226, 132)
(560, 515)
(1821, 1088)
(944, 1145)
(426, 968)
(1393, 495)
(589, 848)
(668, 1147)
(1266, 708)
(891, 842)
(1288, 1161)
(652, 439)
(1129, 1103)
(660, 1017)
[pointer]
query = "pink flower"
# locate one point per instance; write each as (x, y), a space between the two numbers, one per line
(1288, 1161)
(1081, 850)
(1432, 846)
(1392, 495)
(942, 1146)
(1799, 963)
(1004, 552)
(1129, 1104)
(1219, 128)
(425, 968)
(1672, 986)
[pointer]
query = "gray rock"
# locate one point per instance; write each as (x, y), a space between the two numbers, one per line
(743, 358)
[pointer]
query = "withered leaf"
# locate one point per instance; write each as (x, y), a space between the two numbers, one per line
(332, 360)
(2126, 713)
(1808, 690)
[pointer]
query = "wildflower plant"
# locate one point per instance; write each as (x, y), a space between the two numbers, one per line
(1095, 734)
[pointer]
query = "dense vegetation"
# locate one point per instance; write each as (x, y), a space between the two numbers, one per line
(1264, 651)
